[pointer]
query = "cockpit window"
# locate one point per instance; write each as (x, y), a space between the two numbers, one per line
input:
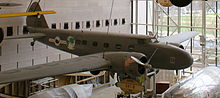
(153, 40)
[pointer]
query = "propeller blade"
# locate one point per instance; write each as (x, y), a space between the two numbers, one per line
(141, 63)
(151, 56)
(137, 60)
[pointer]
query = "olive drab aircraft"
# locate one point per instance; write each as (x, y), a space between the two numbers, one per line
(127, 55)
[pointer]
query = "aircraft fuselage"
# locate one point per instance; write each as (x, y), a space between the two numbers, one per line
(88, 42)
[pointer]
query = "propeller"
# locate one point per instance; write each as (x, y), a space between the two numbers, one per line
(146, 66)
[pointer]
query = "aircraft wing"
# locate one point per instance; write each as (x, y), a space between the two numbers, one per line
(78, 64)
(179, 38)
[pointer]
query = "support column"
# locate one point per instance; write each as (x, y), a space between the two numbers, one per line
(191, 29)
(132, 18)
(204, 32)
(153, 16)
(147, 17)
(216, 35)
(136, 17)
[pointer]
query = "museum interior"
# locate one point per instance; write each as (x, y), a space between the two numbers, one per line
(109, 49)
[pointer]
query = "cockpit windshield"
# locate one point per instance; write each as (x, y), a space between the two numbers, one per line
(148, 40)
(153, 40)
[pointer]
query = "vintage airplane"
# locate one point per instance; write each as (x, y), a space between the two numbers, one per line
(126, 54)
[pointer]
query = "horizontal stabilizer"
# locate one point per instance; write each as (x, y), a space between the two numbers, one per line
(32, 35)
(26, 14)
(179, 38)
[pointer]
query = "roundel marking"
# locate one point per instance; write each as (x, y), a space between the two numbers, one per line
(71, 42)
(57, 41)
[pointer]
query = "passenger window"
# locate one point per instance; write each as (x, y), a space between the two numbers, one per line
(88, 24)
(115, 21)
(77, 26)
(25, 30)
(106, 45)
(78, 42)
(98, 23)
(123, 21)
(9, 31)
(106, 22)
(118, 46)
(84, 42)
(53, 26)
(1, 36)
(131, 47)
(0, 50)
(66, 26)
(95, 44)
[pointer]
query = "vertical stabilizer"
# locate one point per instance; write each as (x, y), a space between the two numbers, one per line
(36, 20)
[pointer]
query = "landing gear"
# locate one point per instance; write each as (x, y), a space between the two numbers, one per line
(32, 43)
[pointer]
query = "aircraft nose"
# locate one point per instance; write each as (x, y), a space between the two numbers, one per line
(188, 60)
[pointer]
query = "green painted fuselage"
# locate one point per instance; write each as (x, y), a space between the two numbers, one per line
(88, 42)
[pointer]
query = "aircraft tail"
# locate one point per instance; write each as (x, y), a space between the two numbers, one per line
(37, 21)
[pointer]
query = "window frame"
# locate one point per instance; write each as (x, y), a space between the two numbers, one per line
(77, 25)
(10, 31)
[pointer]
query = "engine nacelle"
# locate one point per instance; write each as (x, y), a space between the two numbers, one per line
(95, 72)
(1, 35)
(125, 66)
(133, 69)
(177, 45)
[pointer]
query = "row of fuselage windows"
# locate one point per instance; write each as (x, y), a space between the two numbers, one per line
(105, 45)
(10, 30)
(78, 25)
(91, 24)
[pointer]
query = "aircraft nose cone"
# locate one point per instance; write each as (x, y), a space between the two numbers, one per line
(188, 60)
